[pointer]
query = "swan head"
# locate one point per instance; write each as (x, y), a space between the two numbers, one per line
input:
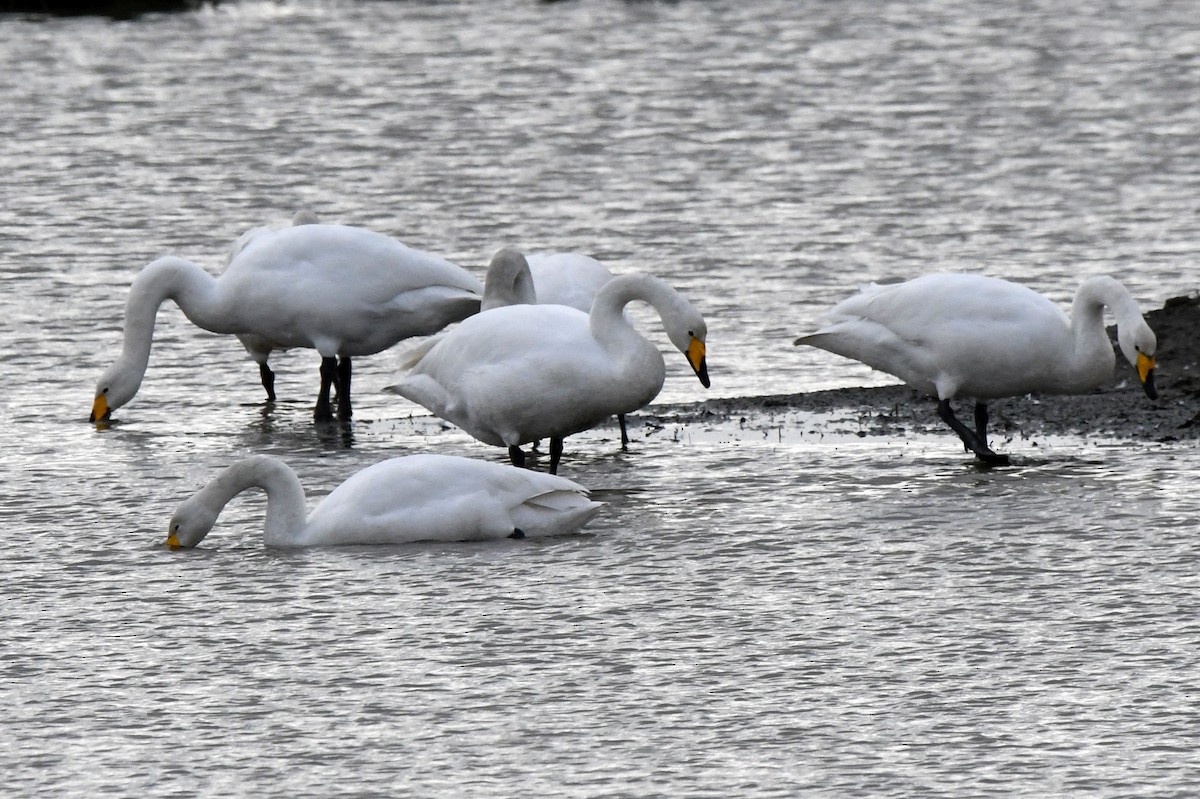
(508, 281)
(189, 525)
(687, 332)
(1138, 344)
(115, 387)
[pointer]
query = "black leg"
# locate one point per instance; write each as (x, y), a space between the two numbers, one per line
(268, 380)
(516, 456)
(343, 388)
(981, 423)
(624, 434)
(970, 438)
(328, 378)
(556, 448)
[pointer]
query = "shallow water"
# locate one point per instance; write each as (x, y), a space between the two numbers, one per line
(764, 607)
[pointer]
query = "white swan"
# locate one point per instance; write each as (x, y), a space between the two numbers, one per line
(343, 291)
(397, 501)
(958, 335)
(567, 278)
(520, 373)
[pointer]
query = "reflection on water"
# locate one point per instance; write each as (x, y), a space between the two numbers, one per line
(765, 606)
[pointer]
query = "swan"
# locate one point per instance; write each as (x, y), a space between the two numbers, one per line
(570, 278)
(960, 335)
(520, 373)
(397, 501)
(343, 291)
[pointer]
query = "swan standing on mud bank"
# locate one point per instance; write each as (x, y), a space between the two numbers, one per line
(959, 335)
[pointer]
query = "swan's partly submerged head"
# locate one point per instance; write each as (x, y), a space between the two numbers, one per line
(115, 387)
(1138, 344)
(191, 522)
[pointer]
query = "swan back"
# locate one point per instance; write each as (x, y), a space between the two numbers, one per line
(565, 278)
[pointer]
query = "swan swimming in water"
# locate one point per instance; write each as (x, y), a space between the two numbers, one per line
(960, 335)
(397, 501)
(519, 373)
(343, 291)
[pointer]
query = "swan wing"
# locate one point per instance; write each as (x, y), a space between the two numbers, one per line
(951, 334)
(518, 373)
(354, 290)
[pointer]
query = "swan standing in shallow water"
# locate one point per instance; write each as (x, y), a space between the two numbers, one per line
(343, 291)
(519, 373)
(559, 278)
(397, 501)
(958, 335)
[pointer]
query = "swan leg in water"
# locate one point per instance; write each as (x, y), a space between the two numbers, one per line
(974, 440)
(556, 451)
(335, 374)
(624, 434)
(516, 456)
(268, 380)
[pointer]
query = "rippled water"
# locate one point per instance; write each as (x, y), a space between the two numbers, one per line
(763, 608)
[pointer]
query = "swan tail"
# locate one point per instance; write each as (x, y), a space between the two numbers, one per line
(411, 356)
(554, 513)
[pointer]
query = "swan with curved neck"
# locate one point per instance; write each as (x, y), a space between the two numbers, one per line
(397, 501)
(520, 373)
(343, 291)
(959, 335)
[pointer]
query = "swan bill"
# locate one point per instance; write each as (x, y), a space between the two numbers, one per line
(1145, 370)
(100, 409)
(696, 357)
(173, 542)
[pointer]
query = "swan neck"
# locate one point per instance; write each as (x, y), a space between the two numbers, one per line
(1092, 344)
(607, 318)
(192, 289)
(286, 513)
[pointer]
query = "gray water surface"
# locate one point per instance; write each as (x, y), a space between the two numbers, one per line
(763, 608)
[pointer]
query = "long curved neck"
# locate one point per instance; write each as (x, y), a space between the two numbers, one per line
(607, 320)
(286, 515)
(192, 289)
(1092, 345)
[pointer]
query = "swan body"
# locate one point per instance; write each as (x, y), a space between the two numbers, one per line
(960, 335)
(343, 291)
(397, 501)
(567, 278)
(520, 373)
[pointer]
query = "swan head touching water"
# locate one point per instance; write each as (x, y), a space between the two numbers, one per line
(343, 291)
(397, 501)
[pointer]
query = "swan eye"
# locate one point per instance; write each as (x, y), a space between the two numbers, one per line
(175, 527)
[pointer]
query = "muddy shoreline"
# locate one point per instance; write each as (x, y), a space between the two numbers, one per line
(1120, 409)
